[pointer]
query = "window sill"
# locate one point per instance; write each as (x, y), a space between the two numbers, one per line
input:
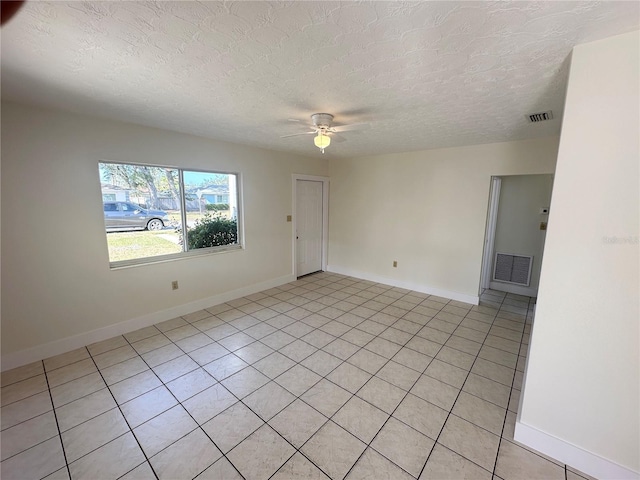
(140, 262)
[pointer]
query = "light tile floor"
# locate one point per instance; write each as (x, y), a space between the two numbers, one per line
(328, 376)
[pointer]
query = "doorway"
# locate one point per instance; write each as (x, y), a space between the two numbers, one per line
(517, 219)
(310, 216)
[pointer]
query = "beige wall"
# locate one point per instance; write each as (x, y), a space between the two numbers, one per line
(518, 226)
(56, 280)
(583, 373)
(427, 210)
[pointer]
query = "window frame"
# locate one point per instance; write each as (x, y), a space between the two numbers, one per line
(134, 262)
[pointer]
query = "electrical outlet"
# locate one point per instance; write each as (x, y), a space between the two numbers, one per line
(288, 218)
(395, 263)
(174, 285)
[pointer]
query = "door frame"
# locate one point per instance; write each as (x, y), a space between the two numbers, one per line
(325, 218)
(490, 234)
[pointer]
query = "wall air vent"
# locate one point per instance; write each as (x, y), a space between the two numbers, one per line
(513, 269)
(539, 117)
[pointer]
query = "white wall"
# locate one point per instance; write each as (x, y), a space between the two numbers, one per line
(518, 226)
(427, 210)
(56, 280)
(580, 400)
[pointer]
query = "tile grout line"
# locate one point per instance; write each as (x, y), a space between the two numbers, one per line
(126, 421)
(270, 380)
(25, 379)
(504, 422)
(224, 455)
(64, 452)
(352, 395)
(396, 407)
(53, 410)
(265, 422)
(26, 419)
(299, 450)
(454, 404)
(300, 363)
(359, 347)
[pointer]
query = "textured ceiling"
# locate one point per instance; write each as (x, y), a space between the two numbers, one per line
(423, 74)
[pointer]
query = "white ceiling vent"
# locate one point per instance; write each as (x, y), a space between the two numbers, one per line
(539, 117)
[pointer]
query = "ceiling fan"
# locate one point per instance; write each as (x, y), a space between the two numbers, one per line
(324, 130)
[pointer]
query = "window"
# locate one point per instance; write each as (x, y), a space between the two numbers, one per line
(169, 212)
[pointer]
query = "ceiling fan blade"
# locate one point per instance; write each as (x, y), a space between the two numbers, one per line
(337, 138)
(353, 126)
(297, 134)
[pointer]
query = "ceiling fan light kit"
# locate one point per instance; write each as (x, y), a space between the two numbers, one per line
(322, 122)
(322, 141)
(322, 127)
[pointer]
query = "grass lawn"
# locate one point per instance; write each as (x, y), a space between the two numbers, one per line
(140, 244)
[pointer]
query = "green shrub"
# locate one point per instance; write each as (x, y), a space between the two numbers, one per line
(216, 207)
(212, 231)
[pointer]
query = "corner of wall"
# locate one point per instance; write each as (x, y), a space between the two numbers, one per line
(570, 454)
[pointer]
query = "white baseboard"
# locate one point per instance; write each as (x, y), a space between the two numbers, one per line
(516, 289)
(39, 352)
(572, 455)
(461, 297)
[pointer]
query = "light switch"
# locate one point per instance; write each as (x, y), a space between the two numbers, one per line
(288, 218)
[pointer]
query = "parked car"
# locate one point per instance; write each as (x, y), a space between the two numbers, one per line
(129, 216)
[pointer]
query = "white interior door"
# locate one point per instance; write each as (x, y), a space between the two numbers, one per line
(308, 226)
